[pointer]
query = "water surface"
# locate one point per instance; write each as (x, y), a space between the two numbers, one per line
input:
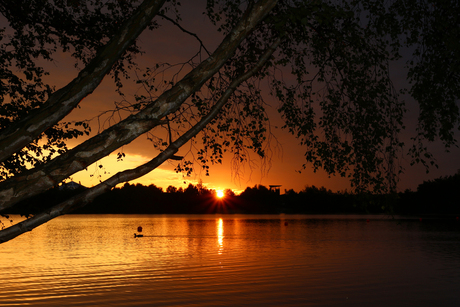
(233, 260)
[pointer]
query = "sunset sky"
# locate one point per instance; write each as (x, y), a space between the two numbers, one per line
(171, 45)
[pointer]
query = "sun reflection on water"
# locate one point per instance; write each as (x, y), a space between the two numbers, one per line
(220, 235)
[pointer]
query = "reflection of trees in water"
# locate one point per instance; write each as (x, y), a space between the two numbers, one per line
(435, 237)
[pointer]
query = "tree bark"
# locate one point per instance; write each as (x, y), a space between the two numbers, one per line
(41, 178)
(64, 100)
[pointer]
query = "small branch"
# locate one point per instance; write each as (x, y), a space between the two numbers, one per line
(169, 130)
(185, 31)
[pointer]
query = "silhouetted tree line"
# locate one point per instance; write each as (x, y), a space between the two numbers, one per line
(440, 196)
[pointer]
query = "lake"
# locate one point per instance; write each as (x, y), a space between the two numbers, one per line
(233, 260)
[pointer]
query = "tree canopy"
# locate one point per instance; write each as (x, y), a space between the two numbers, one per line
(327, 64)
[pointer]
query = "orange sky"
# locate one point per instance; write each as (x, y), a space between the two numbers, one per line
(169, 44)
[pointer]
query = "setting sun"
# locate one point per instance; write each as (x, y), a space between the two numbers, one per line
(220, 193)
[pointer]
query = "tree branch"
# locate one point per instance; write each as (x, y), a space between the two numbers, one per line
(185, 31)
(64, 100)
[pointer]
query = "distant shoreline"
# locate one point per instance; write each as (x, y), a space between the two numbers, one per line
(434, 199)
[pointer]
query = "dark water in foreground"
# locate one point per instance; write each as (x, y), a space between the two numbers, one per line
(208, 260)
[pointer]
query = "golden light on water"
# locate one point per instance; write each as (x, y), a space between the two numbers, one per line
(220, 234)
